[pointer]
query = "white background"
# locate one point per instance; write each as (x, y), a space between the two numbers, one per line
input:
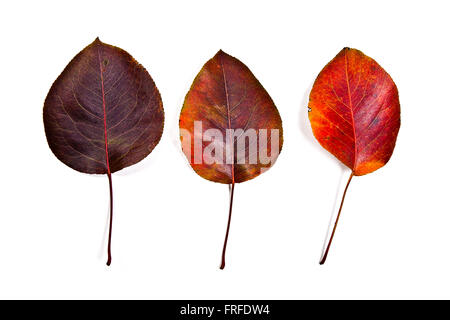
(393, 240)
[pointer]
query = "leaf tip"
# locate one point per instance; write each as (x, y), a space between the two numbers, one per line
(221, 53)
(346, 50)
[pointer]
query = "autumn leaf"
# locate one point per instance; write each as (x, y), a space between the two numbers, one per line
(354, 112)
(103, 113)
(230, 128)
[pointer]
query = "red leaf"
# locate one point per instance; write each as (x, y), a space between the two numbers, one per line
(103, 113)
(355, 111)
(226, 96)
(355, 114)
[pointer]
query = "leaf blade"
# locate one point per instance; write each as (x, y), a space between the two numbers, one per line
(226, 95)
(75, 121)
(355, 111)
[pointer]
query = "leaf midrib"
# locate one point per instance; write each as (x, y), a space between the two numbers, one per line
(351, 110)
(104, 110)
(228, 112)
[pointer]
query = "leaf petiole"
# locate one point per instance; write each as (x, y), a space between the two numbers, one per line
(222, 266)
(324, 257)
(110, 218)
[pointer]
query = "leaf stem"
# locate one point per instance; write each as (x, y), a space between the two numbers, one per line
(222, 266)
(110, 218)
(324, 257)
